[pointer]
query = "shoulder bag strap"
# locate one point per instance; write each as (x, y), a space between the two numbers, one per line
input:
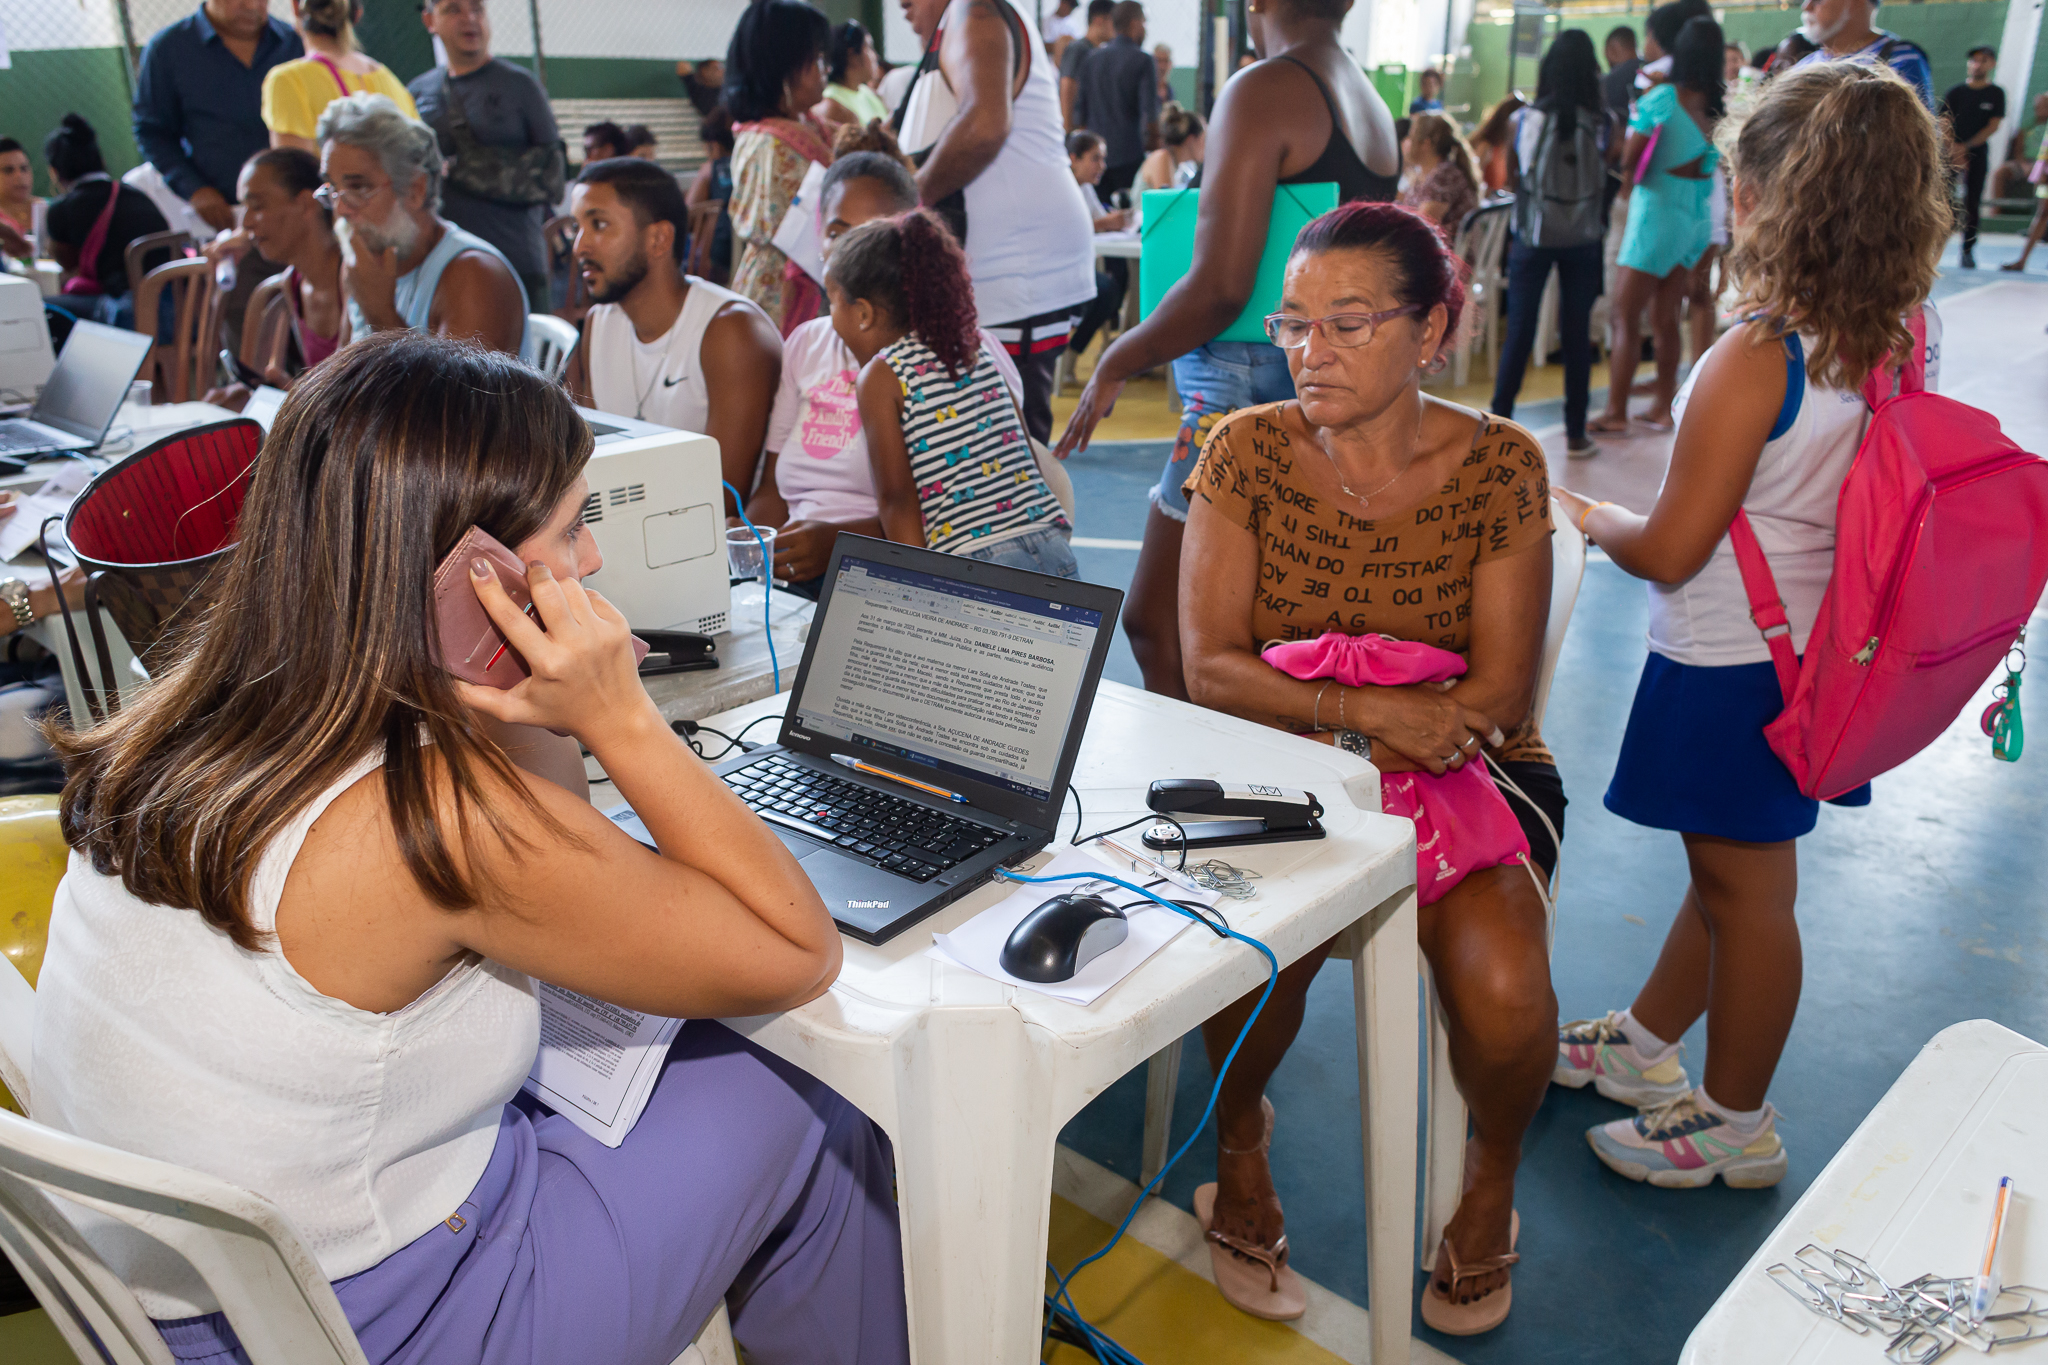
(335, 72)
(458, 125)
(1910, 376)
(96, 240)
(929, 64)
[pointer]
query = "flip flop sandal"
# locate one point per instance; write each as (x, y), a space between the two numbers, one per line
(1440, 1307)
(1667, 425)
(1253, 1279)
(1605, 426)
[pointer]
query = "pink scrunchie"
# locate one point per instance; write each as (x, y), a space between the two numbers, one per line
(1462, 823)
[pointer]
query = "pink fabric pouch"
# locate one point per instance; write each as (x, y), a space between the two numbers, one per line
(1462, 823)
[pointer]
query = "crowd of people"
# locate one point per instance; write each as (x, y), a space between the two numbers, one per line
(900, 256)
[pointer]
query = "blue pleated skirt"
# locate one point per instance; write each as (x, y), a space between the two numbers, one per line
(1694, 758)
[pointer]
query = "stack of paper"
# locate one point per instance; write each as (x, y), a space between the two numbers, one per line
(597, 1062)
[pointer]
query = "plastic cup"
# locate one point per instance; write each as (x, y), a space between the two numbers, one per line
(745, 555)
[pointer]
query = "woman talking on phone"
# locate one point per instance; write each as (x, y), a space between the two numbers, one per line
(1303, 115)
(314, 879)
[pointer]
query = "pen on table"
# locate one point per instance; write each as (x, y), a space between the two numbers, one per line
(1988, 1287)
(873, 771)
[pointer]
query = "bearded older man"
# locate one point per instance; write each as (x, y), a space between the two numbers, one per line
(406, 265)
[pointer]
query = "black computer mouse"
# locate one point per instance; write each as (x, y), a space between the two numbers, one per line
(1062, 936)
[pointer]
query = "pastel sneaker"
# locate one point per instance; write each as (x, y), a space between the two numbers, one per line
(1597, 1050)
(1684, 1145)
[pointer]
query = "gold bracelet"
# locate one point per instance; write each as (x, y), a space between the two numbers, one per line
(1589, 512)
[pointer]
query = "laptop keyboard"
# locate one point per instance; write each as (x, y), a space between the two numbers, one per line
(902, 836)
(14, 437)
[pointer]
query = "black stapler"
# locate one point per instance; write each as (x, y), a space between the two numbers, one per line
(676, 651)
(1217, 814)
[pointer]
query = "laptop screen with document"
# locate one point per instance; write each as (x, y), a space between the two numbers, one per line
(944, 679)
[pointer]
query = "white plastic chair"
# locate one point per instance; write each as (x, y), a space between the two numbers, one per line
(1482, 242)
(238, 1243)
(549, 343)
(1443, 1170)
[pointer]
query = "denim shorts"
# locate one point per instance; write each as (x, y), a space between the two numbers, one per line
(1215, 381)
(1044, 550)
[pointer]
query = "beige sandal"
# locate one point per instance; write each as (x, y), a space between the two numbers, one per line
(1252, 1278)
(1440, 1306)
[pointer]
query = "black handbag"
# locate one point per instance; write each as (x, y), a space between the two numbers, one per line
(525, 178)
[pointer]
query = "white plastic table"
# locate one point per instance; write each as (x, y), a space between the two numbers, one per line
(972, 1080)
(1909, 1192)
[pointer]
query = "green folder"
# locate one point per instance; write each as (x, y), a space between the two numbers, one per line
(1168, 249)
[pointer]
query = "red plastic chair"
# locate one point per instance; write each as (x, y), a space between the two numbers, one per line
(149, 533)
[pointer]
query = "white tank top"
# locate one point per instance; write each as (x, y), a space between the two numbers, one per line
(155, 1034)
(1704, 621)
(662, 382)
(1030, 241)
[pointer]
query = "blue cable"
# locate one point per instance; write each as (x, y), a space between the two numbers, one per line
(1060, 1302)
(767, 583)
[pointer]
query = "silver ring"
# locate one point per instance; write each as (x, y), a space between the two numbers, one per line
(1469, 740)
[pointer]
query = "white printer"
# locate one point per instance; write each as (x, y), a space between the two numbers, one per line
(25, 355)
(657, 512)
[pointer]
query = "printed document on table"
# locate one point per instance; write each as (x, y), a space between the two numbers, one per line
(18, 533)
(597, 1063)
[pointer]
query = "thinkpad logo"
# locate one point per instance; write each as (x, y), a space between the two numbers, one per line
(867, 905)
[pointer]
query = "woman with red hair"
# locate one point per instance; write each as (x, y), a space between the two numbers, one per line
(953, 465)
(1365, 508)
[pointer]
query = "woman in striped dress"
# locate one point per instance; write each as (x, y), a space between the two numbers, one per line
(954, 469)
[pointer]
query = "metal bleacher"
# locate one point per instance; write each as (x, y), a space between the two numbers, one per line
(672, 121)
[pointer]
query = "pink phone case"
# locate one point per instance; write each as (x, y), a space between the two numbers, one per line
(466, 641)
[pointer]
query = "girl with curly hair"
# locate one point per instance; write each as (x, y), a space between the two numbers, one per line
(954, 468)
(1834, 255)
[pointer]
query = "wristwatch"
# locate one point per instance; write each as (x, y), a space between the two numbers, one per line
(1352, 742)
(14, 593)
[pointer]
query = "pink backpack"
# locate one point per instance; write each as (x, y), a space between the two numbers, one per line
(1941, 553)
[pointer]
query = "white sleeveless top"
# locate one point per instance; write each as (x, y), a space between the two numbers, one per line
(1704, 621)
(1030, 242)
(155, 1034)
(660, 381)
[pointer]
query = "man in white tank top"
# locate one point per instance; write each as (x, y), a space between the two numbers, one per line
(660, 345)
(987, 125)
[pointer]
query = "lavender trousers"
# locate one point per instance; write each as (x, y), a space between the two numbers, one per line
(746, 1179)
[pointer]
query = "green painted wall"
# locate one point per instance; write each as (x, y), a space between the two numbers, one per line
(45, 85)
(1946, 31)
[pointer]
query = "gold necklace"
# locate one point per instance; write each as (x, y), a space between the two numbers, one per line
(1364, 499)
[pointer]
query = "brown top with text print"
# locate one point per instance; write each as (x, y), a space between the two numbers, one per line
(1407, 575)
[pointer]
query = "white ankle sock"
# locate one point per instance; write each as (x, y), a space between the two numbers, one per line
(1745, 1120)
(1647, 1044)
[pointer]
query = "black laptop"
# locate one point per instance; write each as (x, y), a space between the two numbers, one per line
(84, 392)
(972, 680)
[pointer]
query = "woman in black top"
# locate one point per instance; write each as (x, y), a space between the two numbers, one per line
(80, 175)
(1304, 114)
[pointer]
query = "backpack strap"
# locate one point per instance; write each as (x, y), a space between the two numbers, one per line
(1884, 382)
(1766, 608)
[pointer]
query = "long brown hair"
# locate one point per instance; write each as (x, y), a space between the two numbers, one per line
(1839, 174)
(316, 651)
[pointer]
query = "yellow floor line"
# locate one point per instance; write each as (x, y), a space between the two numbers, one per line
(31, 1339)
(1340, 1329)
(1158, 1311)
